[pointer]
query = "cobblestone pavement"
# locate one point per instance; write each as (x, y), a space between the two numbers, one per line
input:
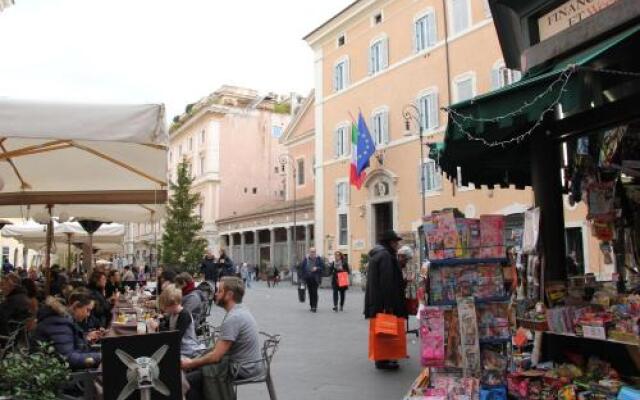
(322, 356)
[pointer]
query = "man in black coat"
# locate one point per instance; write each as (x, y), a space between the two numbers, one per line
(209, 268)
(15, 308)
(310, 271)
(384, 291)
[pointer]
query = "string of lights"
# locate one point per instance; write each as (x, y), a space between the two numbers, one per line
(458, 119)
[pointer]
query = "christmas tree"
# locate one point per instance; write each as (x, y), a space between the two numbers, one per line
(181, 244)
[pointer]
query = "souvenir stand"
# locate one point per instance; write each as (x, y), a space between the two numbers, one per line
(570, 130)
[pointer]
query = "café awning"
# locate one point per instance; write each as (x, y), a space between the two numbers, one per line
(90, 161)
(489, 136)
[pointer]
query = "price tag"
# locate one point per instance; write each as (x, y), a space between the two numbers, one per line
(594, 332)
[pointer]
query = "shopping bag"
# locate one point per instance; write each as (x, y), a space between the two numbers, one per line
(386, 324)
(302, 293)
(386, 347)
(343, 279)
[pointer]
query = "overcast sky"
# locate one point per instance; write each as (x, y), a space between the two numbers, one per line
(170, 51)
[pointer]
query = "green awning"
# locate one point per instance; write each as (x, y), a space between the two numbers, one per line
(492, 118)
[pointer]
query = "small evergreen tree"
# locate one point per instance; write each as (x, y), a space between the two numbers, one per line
(181, 244)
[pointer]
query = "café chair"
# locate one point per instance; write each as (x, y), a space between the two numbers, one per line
(269, 347)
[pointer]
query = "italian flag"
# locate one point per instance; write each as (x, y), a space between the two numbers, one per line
(355, 179)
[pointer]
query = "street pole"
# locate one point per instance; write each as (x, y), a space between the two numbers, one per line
(422, 183)
(287, 159)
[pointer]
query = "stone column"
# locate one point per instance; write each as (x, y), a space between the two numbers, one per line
(256, 250)
(290, 250)
(243, 255)
(272, 246)
(230, 246)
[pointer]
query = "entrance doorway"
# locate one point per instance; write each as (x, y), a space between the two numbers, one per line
(383, 218)
(265, 260)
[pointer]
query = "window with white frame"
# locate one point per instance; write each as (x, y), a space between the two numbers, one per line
(190, 143)
(342, 194)
(380, 127)
(432, 177)
(342, 141)
(300, 171)
(203, 136)
(378, 56)
(425, 31)
(428, 105)
(343, 230)
(465, 88)
(203, 165)
(502, 76)
(341, 75)
(180, 151)
(461, 15)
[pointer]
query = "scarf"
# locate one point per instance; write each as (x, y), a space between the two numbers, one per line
(190, 287)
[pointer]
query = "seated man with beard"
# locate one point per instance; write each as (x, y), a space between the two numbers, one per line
(238, 345)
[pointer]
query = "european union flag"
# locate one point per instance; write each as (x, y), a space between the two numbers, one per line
(365, 146)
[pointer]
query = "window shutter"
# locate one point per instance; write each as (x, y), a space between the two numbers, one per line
(371, 51)
(385, 127)
(384, 54)
(336, 142)
(346, 75)
(416, 36)
(432, 29)
(434, 121)
(420, 172)
(437, 176)
(335, 78)
(337, 198)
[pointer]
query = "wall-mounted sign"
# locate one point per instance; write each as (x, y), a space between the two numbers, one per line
(569, 14)
(358, 244)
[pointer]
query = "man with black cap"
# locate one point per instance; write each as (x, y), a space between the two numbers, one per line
(384, 291)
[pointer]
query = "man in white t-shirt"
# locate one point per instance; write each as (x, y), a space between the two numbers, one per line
(238, 347)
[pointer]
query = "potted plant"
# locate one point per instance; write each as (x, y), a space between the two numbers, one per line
(40, 375)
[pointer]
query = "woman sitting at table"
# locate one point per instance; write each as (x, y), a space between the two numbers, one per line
(58, 325)
(101, 315)
(179, 319)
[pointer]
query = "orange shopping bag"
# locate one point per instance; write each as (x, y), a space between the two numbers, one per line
(386, 347)
(343, 279)
(385, 324)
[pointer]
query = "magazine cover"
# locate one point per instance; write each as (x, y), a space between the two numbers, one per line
(473, 227)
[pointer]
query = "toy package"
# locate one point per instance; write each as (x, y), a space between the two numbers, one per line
(473, 227)
(492, 236)
(432, 337)
(441, 235)
(463, 246)
(469, 336)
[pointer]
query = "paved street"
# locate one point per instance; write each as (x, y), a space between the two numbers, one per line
(322, 356)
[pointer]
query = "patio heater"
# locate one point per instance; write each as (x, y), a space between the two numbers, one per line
(90, 226)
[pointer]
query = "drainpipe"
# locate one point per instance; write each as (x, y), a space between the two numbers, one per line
(446, 49)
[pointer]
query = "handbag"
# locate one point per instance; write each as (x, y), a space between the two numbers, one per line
(302, 292)
(343, 279)
(387, 347)
(386, 324)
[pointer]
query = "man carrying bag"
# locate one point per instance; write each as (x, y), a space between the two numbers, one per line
(310, 272)
(384, 304)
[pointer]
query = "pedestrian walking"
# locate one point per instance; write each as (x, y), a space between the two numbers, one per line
(310, 270)
(209, 269)
(245, 274)
(339, 267)
(384, 292)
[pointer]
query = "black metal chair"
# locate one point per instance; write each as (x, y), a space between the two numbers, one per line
(269, 347)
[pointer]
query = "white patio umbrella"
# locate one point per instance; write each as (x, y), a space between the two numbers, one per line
(92, 162)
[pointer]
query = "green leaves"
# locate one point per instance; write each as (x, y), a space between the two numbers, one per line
(181, 244)
(36, 376)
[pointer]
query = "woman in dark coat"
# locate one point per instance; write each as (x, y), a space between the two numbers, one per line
(58, 325)
(101, 315)
(338, 265)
